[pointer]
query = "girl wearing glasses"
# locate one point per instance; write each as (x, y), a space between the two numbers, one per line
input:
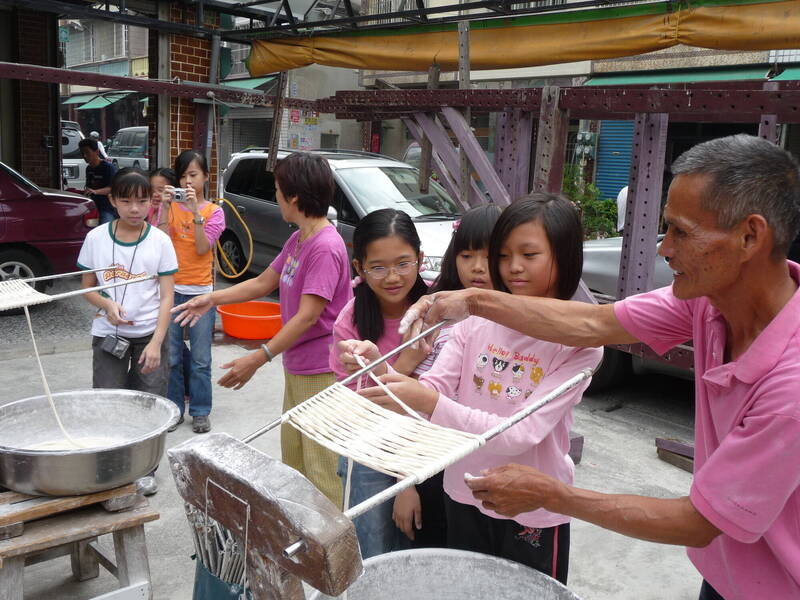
(386, 259)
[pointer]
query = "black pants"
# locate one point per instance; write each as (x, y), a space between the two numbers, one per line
(544, 549)
(434, 526)
(709, 593)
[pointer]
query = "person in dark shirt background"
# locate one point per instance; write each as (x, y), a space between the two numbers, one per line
(99, 174)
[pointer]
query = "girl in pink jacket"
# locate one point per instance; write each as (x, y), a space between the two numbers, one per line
(486, 372)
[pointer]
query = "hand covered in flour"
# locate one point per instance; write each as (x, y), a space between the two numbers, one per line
(366, 350)
(513, 489)
(190, 312)
(429, 310)
(407, 512)
(411, 392)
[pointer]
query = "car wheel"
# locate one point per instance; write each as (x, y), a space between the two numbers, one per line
(233, 250)
(18, 264)
(613, 370)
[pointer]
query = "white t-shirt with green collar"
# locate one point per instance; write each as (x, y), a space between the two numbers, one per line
(153, 254)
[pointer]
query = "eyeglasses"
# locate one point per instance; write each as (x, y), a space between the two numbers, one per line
(402, 268)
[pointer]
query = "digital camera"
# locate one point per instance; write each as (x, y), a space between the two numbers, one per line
(179, 195)
(115, 346)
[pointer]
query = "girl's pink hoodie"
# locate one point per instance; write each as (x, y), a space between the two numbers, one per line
(493, 372)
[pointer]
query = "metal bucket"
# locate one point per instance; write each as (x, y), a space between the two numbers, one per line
(137, 421)
(441, 574)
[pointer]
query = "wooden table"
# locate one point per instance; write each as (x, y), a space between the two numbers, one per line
(75, 533)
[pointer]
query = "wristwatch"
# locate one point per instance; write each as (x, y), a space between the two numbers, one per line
(199, 220)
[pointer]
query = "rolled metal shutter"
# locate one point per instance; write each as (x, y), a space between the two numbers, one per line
(613, 157)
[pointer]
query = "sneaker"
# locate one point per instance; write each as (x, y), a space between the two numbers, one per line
(175, 426)
(201, 424)
(147, 485)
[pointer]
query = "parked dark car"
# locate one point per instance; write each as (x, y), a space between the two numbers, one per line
(41, 230)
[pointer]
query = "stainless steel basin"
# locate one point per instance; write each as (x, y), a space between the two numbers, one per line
(136, 421)
(442, 574)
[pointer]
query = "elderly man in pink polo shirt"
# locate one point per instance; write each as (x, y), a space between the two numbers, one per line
(733, 209)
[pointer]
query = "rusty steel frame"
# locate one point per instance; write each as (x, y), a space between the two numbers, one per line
(639, 239)
(769, 104)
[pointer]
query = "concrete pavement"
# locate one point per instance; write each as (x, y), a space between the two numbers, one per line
(619, 456)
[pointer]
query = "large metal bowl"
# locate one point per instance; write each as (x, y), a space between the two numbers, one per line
(137, 421)
(443, 574)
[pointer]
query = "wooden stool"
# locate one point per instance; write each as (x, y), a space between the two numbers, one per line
(75, 533)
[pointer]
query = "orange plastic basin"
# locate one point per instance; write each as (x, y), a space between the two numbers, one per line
(254, 320)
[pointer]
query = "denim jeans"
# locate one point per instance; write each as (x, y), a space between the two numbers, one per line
(376, 531)
(106, 216)
(199, 371)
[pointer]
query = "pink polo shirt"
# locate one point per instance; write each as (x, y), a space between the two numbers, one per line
(747, 440)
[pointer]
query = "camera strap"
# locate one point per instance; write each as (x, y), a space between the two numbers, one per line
(130, 271)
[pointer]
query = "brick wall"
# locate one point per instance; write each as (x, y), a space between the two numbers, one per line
(190, 61)
(37, 103)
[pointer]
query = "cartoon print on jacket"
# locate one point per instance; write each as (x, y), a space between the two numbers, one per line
(495, 388)
(478, 381)
(512, 392)
(499, 365)
(518, 370)
(483, 360)
(536, 375)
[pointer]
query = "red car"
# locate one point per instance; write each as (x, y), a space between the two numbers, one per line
(41, 230)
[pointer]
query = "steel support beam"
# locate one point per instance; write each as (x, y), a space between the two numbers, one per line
(512, 150)
(639, 239)
(465, 169)
(438, 166)
(443, 146)
(146, 86)
(425, 149)
(277, 120)
(551, 142)
(768, 124)
(480, 162)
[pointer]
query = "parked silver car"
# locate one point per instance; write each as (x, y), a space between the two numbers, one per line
(601, 266)
(601, 261)
(364, 182)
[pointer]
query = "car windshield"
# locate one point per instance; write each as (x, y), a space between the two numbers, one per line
(397, 187)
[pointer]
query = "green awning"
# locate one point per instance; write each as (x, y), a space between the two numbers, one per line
(80, 98)
(679, 76)
(789, 74)
(103, 101)
(248, 84)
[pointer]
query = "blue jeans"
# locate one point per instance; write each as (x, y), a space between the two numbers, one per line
(106, 216)
(376, 531)
(198, 373)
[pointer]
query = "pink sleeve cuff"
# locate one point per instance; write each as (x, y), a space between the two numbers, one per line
(705, 508)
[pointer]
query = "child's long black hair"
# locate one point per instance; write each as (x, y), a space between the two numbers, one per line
(378, 224)
(562, 225)
(473, 233)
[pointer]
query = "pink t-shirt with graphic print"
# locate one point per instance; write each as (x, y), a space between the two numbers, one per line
(747, 439)
(319, 267)
(494, 372)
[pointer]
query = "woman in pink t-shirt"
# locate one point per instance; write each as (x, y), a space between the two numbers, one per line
(486, 372)
(313, 276)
